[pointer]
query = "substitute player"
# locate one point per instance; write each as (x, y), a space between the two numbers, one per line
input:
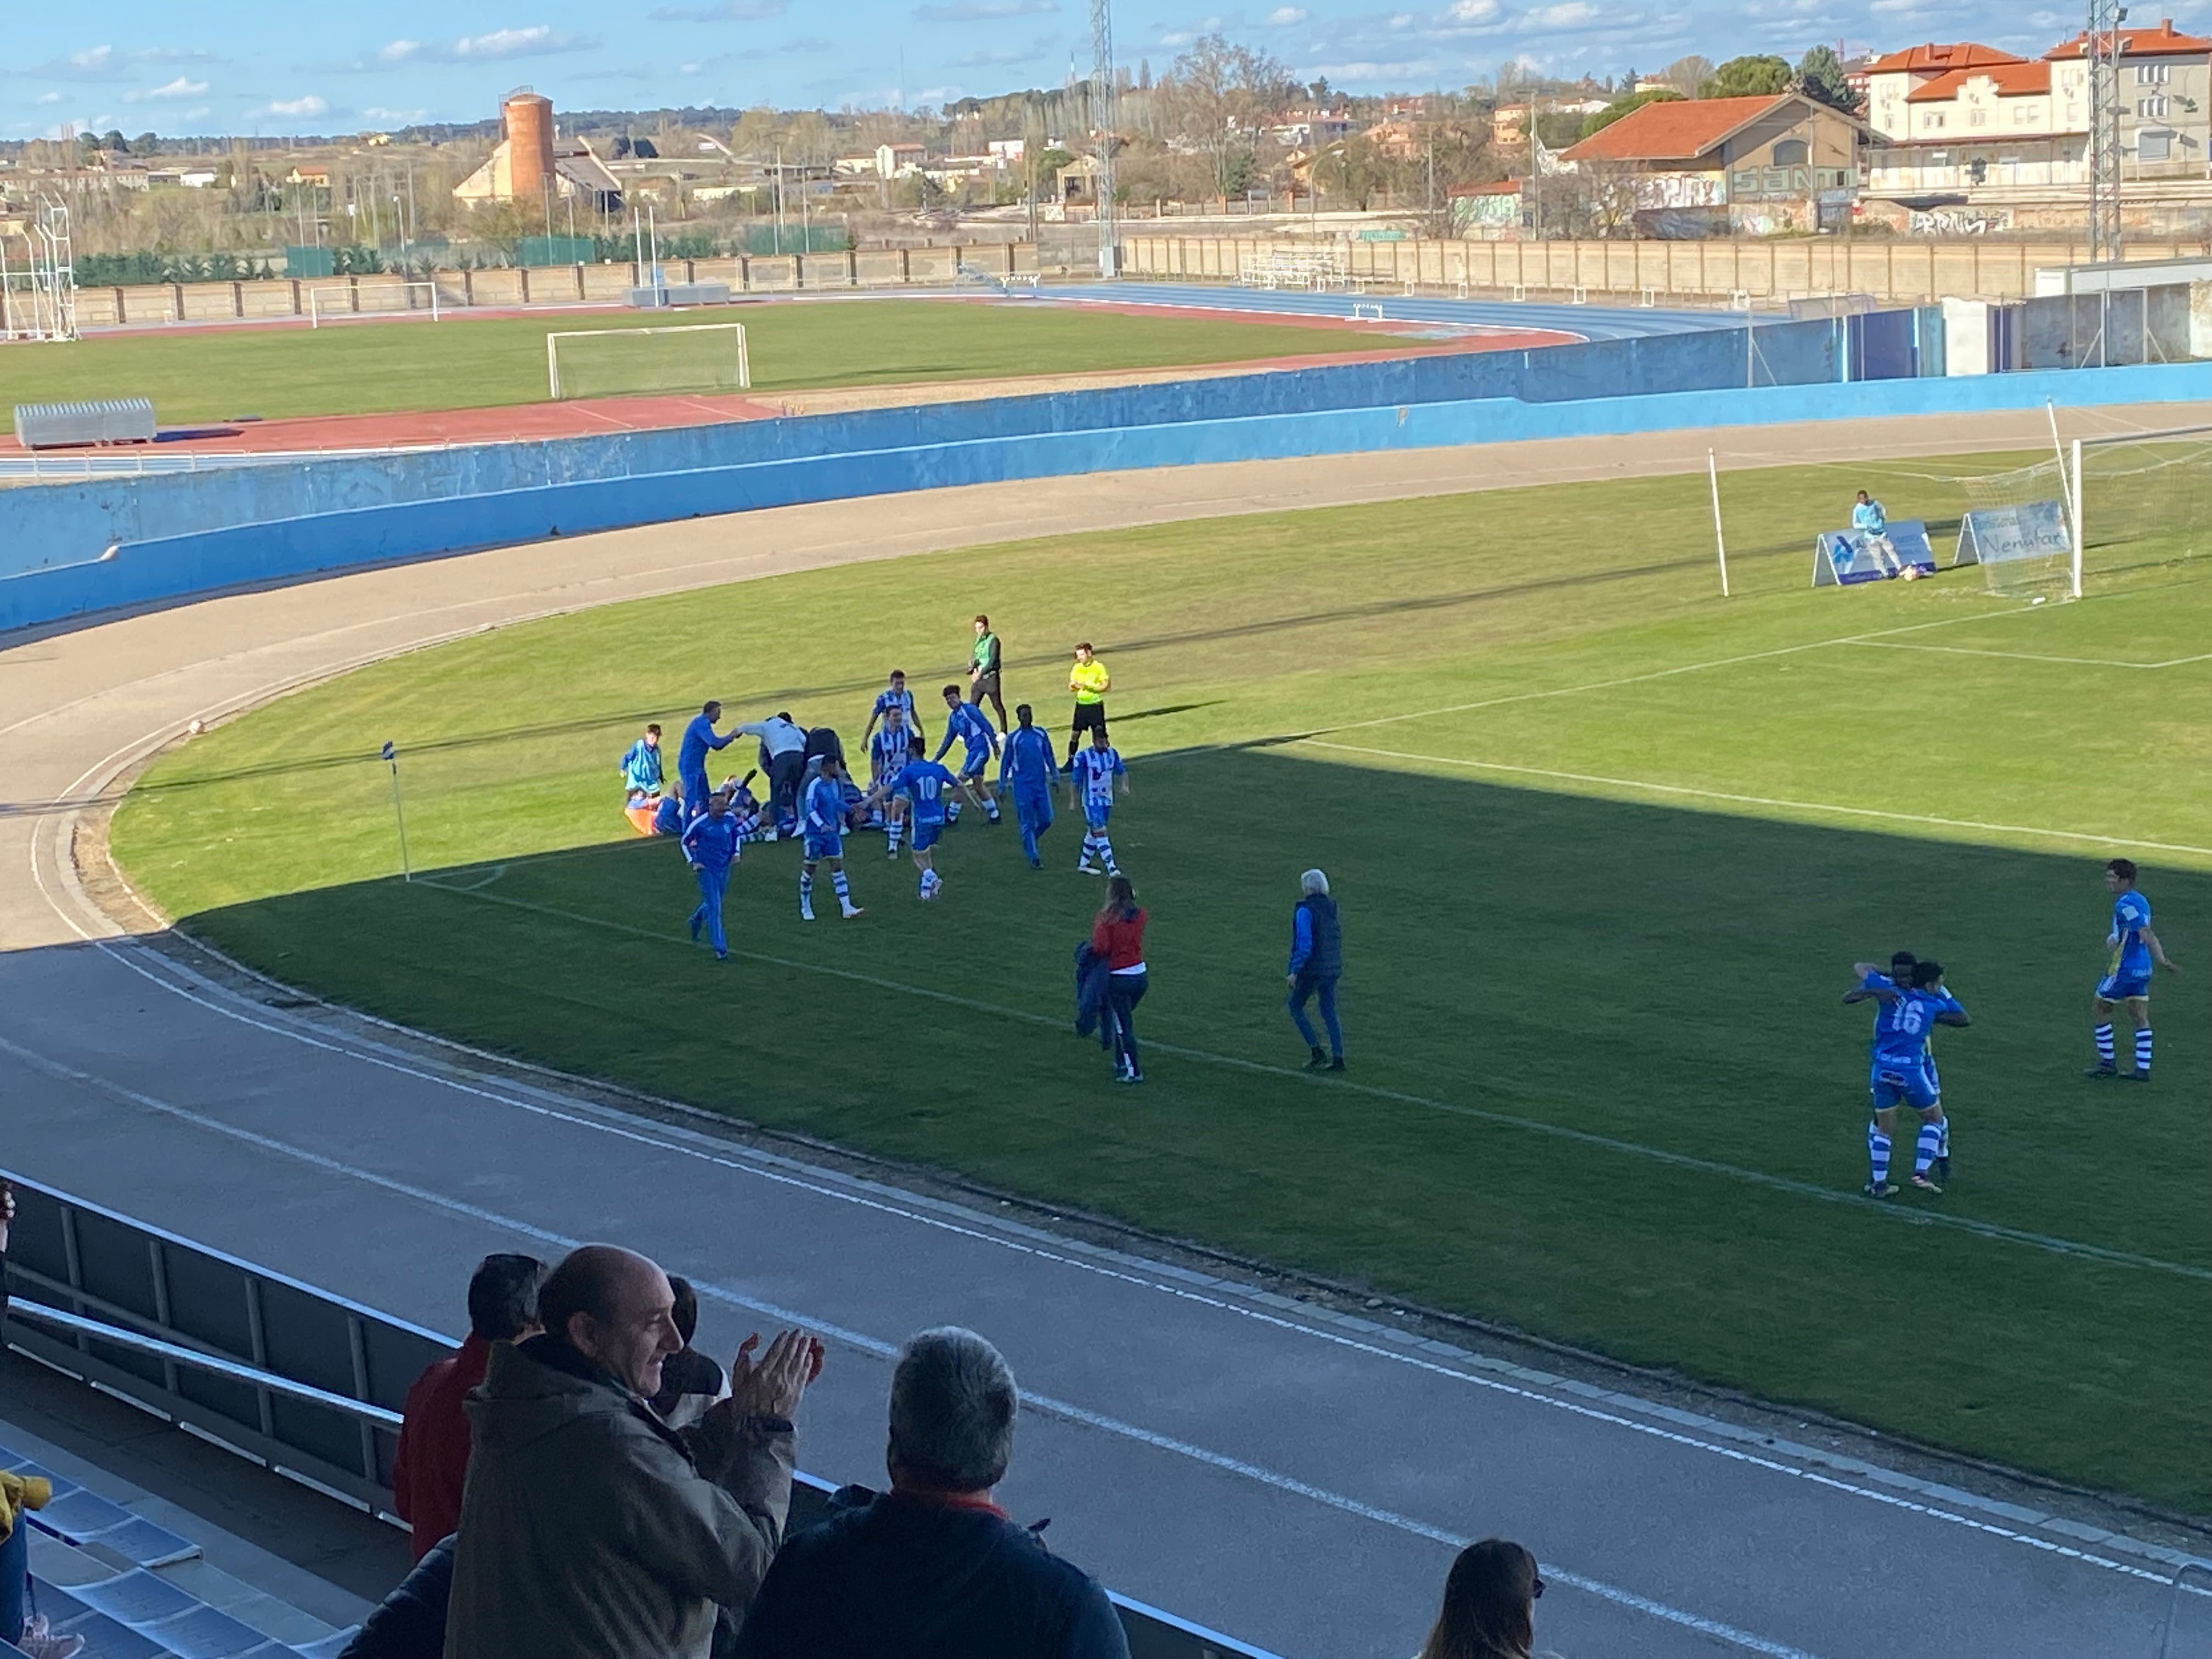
(926, 787)
(825, 827)
(1094, 770)
(1871, 522)
(1901, 1069)
(1089, 681)
(1026, 767)
(969, 724)
(2127, 972)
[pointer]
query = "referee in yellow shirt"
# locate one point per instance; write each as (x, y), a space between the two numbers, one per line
(1089, 680)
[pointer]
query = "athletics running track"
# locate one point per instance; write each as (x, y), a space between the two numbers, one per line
(1298, 1479)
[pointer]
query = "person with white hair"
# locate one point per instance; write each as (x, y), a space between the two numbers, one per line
(932, 1569)
(1316, 962)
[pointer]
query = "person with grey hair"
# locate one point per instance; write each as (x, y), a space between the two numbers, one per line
(1316, 962)
(932, 1569)
(590, 1530)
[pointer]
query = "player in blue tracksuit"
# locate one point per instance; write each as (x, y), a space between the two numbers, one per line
(691, 755)
(823, 824)
(928, 788)
(711, 845)
(668, 817)
(1028, 770)
(641, 764)
(2134, 950)
(1912, 1002)
(971, 725)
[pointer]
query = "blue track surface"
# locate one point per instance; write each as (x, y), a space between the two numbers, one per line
(1590, 322)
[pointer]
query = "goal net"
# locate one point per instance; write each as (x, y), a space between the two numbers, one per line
(2146, 500)
(616, 362)
(371, 297)
(2018, 526)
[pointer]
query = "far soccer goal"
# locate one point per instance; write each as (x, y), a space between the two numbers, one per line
(621, 362)
(343, 301)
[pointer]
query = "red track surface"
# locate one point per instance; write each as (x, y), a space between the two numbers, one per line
(584, 417)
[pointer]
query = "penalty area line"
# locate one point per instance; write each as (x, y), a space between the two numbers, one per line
(2029, 656)
(1759, 800)
(1990, 1229)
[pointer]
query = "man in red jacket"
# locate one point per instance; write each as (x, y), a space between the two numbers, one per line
(432, 1460)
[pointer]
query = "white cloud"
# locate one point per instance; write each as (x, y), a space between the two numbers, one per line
(539, 40)
(1285, 17)
(50, 98)
(1474, 12)
(980, 11)
(309, 104)
(398, 52)
(199, 115)
(179, 87)
(1568, 14)
(508, 43)
(94, 58)
(397, 118)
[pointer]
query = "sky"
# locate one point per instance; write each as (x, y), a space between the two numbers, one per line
(222, 66)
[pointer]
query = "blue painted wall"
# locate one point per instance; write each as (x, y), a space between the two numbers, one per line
(354, 527)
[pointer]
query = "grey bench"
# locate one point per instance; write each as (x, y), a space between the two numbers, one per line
(108, 421)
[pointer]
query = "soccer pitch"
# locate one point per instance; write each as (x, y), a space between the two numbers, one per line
(463, 362)
(1606, 848)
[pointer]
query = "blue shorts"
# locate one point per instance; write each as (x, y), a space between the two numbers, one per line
(973, 766)
(1096, 812)
(1914, 1084)
(2123, 987)
(925, 834)
(824, 847)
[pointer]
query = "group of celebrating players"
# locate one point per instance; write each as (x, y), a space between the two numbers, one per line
(1911, 1001)
(911, 794)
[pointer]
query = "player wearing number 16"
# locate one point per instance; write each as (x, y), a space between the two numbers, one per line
(1912, 1003)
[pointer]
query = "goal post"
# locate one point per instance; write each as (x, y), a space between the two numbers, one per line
(616, 362)
(333, 300)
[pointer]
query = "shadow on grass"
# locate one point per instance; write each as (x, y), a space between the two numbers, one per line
(1602, 1087)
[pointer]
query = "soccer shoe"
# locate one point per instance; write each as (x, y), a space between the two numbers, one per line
(1320, 1059)
(806, 913)
(1942, 1167)
(1925, 1185)
(893, 855)
(993, 817)
(697, 919)
(1036, 864)
(2136, 1076)
(1336, 1065)
(1087, 868)
(722, 956)
(1126, 1076)
(851, 910)
(2098, 1073)
(1885, 1189)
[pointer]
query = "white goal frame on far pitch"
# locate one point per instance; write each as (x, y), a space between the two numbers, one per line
(407, 308)
(553, 347)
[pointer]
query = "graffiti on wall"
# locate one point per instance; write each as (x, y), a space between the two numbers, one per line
(1957, 221)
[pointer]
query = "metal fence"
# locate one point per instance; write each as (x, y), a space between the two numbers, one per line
(306, 1382)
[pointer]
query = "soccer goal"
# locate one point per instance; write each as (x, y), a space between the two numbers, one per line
(616, 362)
(378, 298)
(2110, 505)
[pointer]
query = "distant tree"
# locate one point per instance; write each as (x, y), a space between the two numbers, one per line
(1620, 106)
(1820, 77)
(1144, 75)
(1753, 77)
(146, 143)
(1558, 129)
(1686, 75)
(1628, 79)
(113, 139)
(1321, 92)
(1220, 95)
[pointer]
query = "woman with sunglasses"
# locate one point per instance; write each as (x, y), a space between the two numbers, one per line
(1489, 1610)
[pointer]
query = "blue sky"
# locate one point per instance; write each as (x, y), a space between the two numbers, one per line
(220, 66)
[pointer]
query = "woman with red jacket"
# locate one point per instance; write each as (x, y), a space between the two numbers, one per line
(1117, 934)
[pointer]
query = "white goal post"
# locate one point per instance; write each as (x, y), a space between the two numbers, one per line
(613, 362)
(331, 301)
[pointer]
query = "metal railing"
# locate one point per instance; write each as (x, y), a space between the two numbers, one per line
(304, 1381)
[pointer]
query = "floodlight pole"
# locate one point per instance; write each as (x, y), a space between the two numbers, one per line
(1720, 537)
(1102, 114)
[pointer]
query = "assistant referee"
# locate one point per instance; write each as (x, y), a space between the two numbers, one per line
(1089, 680)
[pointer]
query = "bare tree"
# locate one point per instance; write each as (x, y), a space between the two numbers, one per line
(1686, 75)
(1220, 95)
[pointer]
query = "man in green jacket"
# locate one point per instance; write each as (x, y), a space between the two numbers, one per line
(590, 1530)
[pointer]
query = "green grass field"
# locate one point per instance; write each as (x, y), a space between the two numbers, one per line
(1599, 909)
(216, 373)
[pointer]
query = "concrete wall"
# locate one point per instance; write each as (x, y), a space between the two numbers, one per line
(347, 528)
(2105, 327)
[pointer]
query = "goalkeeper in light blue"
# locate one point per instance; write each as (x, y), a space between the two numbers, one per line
(1027, 769)
(1872, 523)
(1910, 1002)
(1094, 771)
(2135, 948)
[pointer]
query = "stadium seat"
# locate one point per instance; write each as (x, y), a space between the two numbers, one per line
(77, 1515)
(109, 1638)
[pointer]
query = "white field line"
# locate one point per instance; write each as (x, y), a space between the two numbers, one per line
(1759, 801)
(2029, 656)
(1505, 1120)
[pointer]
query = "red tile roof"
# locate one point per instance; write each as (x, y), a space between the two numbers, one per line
(1673, 130)
(2013, 80)
(1934, 59)
(1503, 187)
(2161, 42)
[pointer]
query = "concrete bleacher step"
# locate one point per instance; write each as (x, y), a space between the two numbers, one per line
(80, 1515)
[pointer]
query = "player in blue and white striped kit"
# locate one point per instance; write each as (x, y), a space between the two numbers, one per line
(887, 752)
(927, 787)
(1092, 773)
(2127, 974)
(824, 822)
(968, 723)
(896, 695)
(1028, 768)
(1912, 1002)
(711, 846)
